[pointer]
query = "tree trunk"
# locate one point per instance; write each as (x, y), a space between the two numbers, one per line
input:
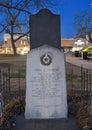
(12, 41)
(13, 45)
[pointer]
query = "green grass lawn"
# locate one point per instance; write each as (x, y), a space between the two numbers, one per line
(19, 60)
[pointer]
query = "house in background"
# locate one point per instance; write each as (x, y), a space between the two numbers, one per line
(67, 44)
(22, 45)
(79, 44)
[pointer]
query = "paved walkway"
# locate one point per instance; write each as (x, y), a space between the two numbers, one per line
(79, 61)
(52, 124)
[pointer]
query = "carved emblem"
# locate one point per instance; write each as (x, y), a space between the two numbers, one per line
(46, 59)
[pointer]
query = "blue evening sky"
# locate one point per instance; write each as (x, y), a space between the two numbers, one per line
(68, 10)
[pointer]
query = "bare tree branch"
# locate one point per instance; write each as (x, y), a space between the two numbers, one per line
(21, 36)
(13, 11)
(14, 7)
(2, 28)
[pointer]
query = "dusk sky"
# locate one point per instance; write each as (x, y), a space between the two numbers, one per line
(68, 10)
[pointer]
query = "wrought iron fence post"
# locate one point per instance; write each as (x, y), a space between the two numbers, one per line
(6, 85)
(87, 78)
(89, 87)
(3, 87)
(1, 97)
(90, 92)
(72, 82)
(9, 79)
(19, 83)
(81, 81)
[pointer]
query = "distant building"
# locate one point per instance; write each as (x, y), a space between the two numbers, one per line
(79, 44)
(67, 43)
(22, 45)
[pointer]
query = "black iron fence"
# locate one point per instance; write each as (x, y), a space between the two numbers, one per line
(13, 83)
(79, 84)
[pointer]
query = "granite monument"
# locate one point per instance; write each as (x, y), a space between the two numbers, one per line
(46, 93)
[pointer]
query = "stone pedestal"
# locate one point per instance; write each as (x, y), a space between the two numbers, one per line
(46, 95)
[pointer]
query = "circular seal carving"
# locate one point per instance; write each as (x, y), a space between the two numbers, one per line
(46, 59)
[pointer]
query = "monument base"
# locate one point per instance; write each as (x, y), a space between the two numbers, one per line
(46, 95)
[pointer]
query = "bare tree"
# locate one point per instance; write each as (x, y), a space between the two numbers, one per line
(83, 24)
(15, 14)
(12, 18)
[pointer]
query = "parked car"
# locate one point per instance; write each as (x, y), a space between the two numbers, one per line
(89, 55)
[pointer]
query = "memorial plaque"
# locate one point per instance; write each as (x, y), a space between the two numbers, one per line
(45, 29)
(46, 95)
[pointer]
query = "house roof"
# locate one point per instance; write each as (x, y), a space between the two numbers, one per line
(67, 42)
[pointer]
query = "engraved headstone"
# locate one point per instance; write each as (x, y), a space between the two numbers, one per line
(46, 84)
(45, 29)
